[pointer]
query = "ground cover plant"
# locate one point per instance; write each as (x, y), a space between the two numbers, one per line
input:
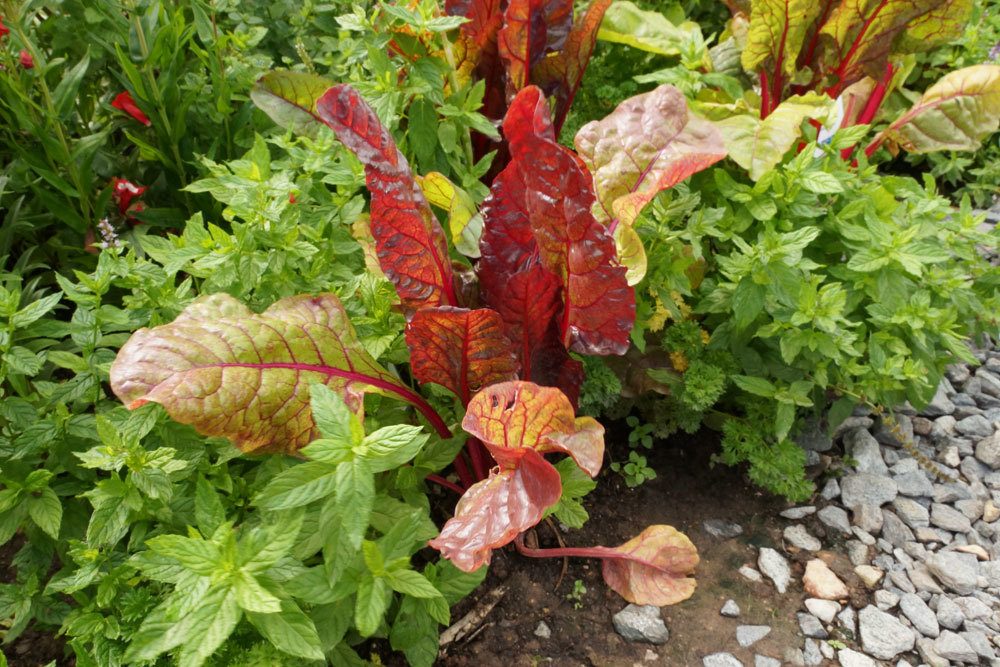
(284, 361)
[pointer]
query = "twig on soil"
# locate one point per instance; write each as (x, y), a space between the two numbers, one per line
(469, 625)
(559, 540)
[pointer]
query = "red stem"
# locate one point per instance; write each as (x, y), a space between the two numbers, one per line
(765, 96)
(872, 106)
(858, 39)
(468, 479)
(475, 450)
(564, 552)
(441, 481)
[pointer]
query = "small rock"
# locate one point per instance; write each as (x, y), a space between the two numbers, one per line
(886, 599)
(947, 517)
(882, 635)
(863, 448)
(958, 373)
(925, 647)
(920, 614)
(796, 513)
(824, 610)
(980, 644)
(971, 508)
(730, 609)
(813, 437)
(811, 655)
(848, 620)
(957, 571)
(857, 551)
(949, 614)
(721, 660)
(911, 512)
(975, 426)
(974, 549)
(641, 624)
(543, 630)
(990, 512)
(894, 530)
(922, 425)
(988, 450)
(863, 535)
(868, 574)
(774, 566)
(751, 574)
(973, 609)
(834, 517)
(722, 529)
(868, 518)
(851, 658)
(811, 626)
(914, 484)
(764, 661)
(940, 405)
(799, 537)
(951, 646)
(866, 489)
(831, 489)
(949, 493)
(950, 456)
(922, 579)
(748, 635)
(650, 656)
(820, 582)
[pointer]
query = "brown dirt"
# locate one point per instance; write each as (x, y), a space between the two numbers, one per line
(686, 492)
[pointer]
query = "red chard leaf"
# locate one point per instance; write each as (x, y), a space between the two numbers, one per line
(517, 422)
(558, 17)
(522, 40)
(230, 372)
(411, 246)
(652, 568)
(461, 350)
(598, 303)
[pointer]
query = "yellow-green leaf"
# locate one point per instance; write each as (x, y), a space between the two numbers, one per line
(625, 23)
(289, 98)
(464, 223)
(631, 254)
(777, 30)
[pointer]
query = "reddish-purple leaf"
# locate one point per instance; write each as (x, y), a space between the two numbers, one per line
(651, 568)
(559, 74)
(233, 373)
(522, 40)
(518, 422)
(598, 303)
(558, 17)
(412, 247)
(459, 349)
(496, 510)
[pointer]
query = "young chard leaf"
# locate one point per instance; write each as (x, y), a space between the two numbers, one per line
(518, 422)
(411, 245)
(230, 372)
(289, 98)
(653, 567)
(459, 349)
(598, 304)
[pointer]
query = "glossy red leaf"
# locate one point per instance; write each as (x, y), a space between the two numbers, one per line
(496, 510)
(459, 349)
(558, 17)
(411, 246)
(522, 40)
(560, 74)
(651, 568)
(598, 304)
(124, 102)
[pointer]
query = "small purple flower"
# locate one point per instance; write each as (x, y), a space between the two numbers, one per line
(109, 239)
(994, 52)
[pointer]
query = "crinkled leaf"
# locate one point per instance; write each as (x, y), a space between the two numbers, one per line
(956, 113)
(494, 511)
(759, 145)
(465, 224)
(653, 567)
(289, 98)
(866, 32)
(598, 304)
(512, 418)
(521, 40)
(626, 23)
(459, 349)
(560, 74)
(777, 31)
(647, 144)
(411, 245)
(478, 36)
(232, 373)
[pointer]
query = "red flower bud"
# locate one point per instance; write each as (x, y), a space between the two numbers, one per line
(124, 102)
(27, 62)
(3, 29)
(123, 192)
(291, 198)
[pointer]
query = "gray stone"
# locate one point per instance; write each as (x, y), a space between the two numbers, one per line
(990, 570)
(811, 655)
(940, 405)
(911, 512)
(886, 599)
(641, 624)
(925, 647)
(721, 660)
(863, 448)
(922, 579)
(949, 614)
(894, 530)
(863, 535)
(951, 646)
(973, 469)
(831, 489)
(904, 466)
(764, 661)
(748, 635)
(751, 574)
(914, 484)
(956, 571)
(868, 518)
(866, 489)
(950, 456)
(824, 610)
(947, 517)
(811, 626)
(814, 437)
(834, 517)
(722, 529)
(882, 635)
(886, 435)
(774, 566)
(943, 428)
(980, 644)
(848, 619)
(973, 609)
(971, 508)
(920, 614)
(990, 382)
(857, 552)
(543, 631)
(975, 426)
(796, 513)
(730, 609)
(988, 451)
(949, 493)
(957, 373)
(799, 537)
(851, 423)
(851, 658)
